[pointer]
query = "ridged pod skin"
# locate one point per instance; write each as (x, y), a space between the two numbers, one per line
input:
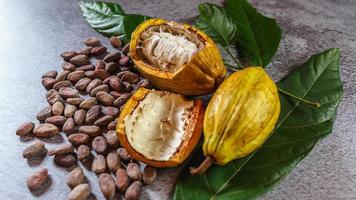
(192, 133)
(200, 75)
(240, 116)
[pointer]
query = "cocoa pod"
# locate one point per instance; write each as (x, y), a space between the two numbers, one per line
(78, 138)
(75, 177)
(122, 180)
(36, 149)
(99, 164)
(25, 128)
(134, 191)
(45, 130)
(107, 185)
(36, 180)
(80, 192)
(61, 150)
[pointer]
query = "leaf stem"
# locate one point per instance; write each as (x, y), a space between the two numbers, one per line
(316, 104)
(233, 57)
(202, 167)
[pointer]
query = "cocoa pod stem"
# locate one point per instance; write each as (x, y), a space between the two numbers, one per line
(202, 167)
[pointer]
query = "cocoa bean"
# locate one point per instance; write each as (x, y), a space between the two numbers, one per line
(101, 73)
(75, 76)
(126, 48)
(68, 92)
(99, 164)
(89, 74)
(66, 160)
(115, 42)
(68, 66)
(69, 110)
(50, 74)
(57, 108)
(91, 131)
(48, 83)
(62, 75)
(84, 68)
(93, 84)
(34, 150)
(82, 83)
(125, 68)
(52, 96)
(134, 191)
(111, 138)
(130, 77)
(100, 64)
(112, 111)
(122, 100)
(67, 55)
(44, 114)
(115, 94)
(122, 180)
(79, 117)
(85, 51)
(107, 80)
(127, 86)
(112, 57)
(105, 98)
(56, 120)
(149, 174)
(133, 171)
(112, 67)
(75, 177)
(93, 114)
(68, 126)
(116, 84)
(107, 185)
(61, 84)
(144, 83)
(93, 42)
(83, 152)
(80, 192)
(78, 138)
(97, 51)
(88, 103)
(79, 60)
(103, 121)
(75, 101)
(100, 145)
(124, 60)
(112, 125)
(45, 130)
(120, 74)
(36, 180)
(124, 155)
(113, 161)
(103, 87)
(25, 128)
(61, 150)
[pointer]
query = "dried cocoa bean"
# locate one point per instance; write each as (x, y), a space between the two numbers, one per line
(52, 96)
(44, 114)
(107, 80)
(112, 67)
(113, 161)
(56, 120)
(97, 51)
(85, 51)
(79, 60)
(93, 42)
(69, 110)
(48, 83)
(105, 98)
(127, 86)
(115, 42)
(66, 160)
(144, 83)
(80, 192)
(68, 126)
(75, 76)
(67, 55)
(61, 84)
(62, 75)
(34, 150)
(61, 150)
(75, 177)
(111, 138)
(124, 60)
(112, 111)
(100, 64)
(79, 117)
(78, 138)
(82, 83)
(25, 128)
(107, 185)
(122, 100)
(115, 94)
(36, 180)
(88, 103)
(126, 48)
(57, 108)
(134, 191)
(100, 88)
(130, 77)
(133, 171)
(103, 121)
(112, 57)
(93, 84)
(149, 174)
(124, 155)
(92, 131)
(84, 68)
(100, 145)
(68, 66)
(99, 164)
(101, 74)
(116, 84)
(112, 125)
(89, 74)
(93, 114)
(68, 92)
(50, 74)
(122, 180)
(75, 101)
(83, 152)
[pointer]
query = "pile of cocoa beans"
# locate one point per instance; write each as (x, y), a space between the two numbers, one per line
(84, 102)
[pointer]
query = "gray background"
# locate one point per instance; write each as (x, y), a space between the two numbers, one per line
(33, 33)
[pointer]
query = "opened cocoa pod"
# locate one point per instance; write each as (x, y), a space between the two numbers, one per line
(160, 128)
(177, 57)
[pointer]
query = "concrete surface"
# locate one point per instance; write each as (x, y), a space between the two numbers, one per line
(33, 33)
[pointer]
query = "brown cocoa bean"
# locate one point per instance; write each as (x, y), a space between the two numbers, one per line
(50, 74)
(69, 110)
(92, 131)
(105, 98)
(122, 100)
(25, 128)
(52, 96)
(93, 114)
(75, 101)
(100, 64)
(112, 125)
(66, 160)
(144, 83)
(107, 185)
(112, 57)
(112, 67)
(93, 84)
(130, 77)
(113, 161)
(82, 83)
(92, 41)
(35, 149)
(56, 120)
(79, 117)
(61, 150)
(57, 108)
(80, 192)
(67, 55)
(112, 111)
(101, 74)
(115, 42)
(100, 145)
(134, 191)
(44, 114)
(85, 51)
(103, 87)
(124, 155)
(112, 139)
(68, 66)
(116, 84)
(83, 152)
(61, 84)
(88, 103)
(62, 75)
(99, 164)
(79, 60)
(149, 174)
(126, 48)
(68, 126)
(127, 86)
(84, 68)
(89, 74)
(115, 94)
(78, 138)
(133, 171)
(48, 83)
(75, 177)
(36, 180)
(124, 60)
(107, 80)
(103, 121)
(122, 180)
(45, 130)
(97, 51)
(75, 76)
(68, 92)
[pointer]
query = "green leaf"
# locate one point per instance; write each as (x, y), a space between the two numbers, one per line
(259, 36)
(110, 20)
(299, 127)
(214, 21)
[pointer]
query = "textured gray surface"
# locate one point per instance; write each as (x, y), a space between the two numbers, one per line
(33, 33)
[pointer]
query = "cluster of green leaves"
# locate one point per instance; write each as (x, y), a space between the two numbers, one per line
(256, 38)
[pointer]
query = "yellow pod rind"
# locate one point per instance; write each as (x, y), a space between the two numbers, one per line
(201, 75)
(241, 115)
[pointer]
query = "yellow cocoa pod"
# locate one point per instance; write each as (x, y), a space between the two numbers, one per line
(177, 57)
(240, 116)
